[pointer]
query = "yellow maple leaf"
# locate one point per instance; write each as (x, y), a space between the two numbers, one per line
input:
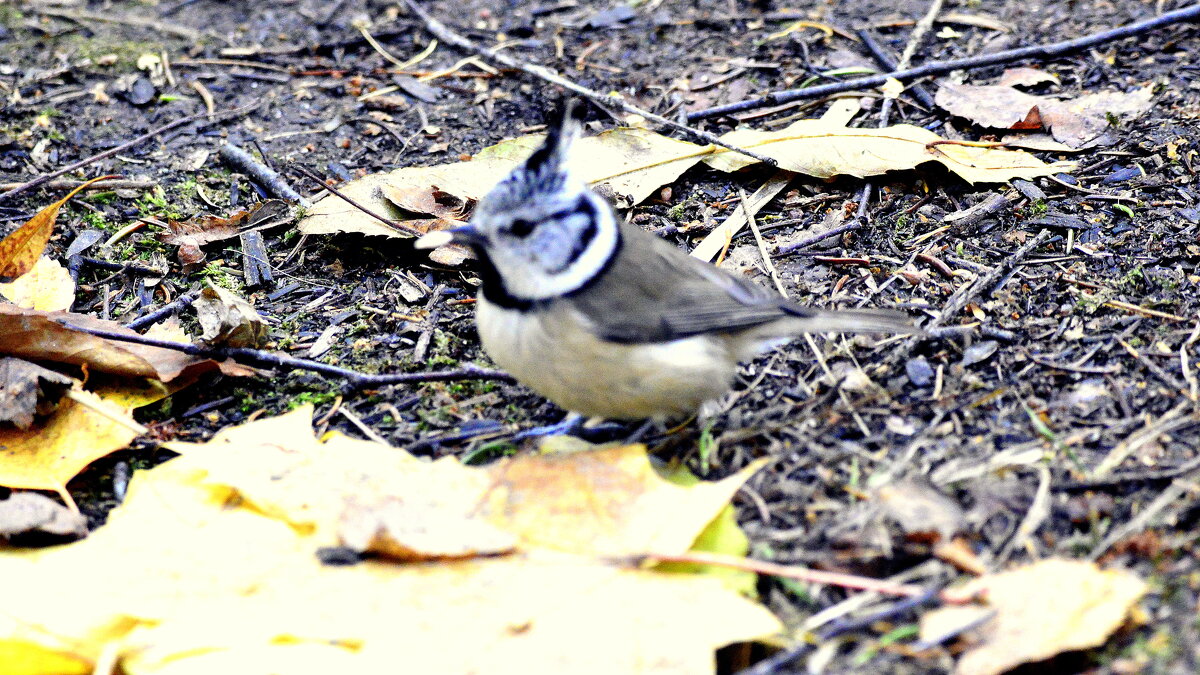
(1046, 608)
(47, 455)
(194, 575)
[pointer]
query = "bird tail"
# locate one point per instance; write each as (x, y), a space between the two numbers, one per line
(808, 320)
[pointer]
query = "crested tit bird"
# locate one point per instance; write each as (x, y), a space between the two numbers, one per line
(604, 318)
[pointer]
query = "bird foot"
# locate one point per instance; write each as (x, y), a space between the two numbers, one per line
(573, 425)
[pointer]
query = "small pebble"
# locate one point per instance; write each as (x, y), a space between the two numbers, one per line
(920, 373)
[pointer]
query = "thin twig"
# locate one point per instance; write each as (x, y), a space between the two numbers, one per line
(266, 359)
(41, 180)
(394, 224)
(1046, 51)
(809, 241)
(448, 36)
(970, 292)
(111, 184)
(170, 308)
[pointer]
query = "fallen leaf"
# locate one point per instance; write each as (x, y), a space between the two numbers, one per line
(40, 336)
(151, 590)
(20, 250)
(924, 513)
(630, 164)
(1046, 608)
(1025, 76)
(45, 456)
(819, 149)
(190, 235)
(228, 320)
(27, 389)
(30, 512)
(47, 286)
(409, 530)
(605, 501)
(1078, 123)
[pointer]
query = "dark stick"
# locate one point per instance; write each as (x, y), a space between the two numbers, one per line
(262, 174)
(40, 180)
(969, 292)
(1048, 51)
(123, 267)
(885, 59)
(170, 308)
(268, 360)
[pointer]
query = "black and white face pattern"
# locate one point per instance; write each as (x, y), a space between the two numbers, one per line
(544, 233)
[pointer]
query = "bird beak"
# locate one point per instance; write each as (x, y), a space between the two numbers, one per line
(466, 235)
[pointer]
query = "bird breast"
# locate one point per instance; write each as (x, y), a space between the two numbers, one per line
(552, 350)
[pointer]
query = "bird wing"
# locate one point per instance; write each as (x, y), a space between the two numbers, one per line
(653, 292)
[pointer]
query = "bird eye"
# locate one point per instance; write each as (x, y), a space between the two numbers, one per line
(521, 228)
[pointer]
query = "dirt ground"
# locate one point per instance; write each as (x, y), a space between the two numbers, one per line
(1083, 350)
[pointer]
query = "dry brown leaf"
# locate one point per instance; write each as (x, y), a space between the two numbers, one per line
(47, 455)
(538, 611)
(47, 286)
(228, 320)
(27, 389)
(30, 512)
(40, 336)
(1078, 122)
(1043, 609)
(190, 235)
(20, 250)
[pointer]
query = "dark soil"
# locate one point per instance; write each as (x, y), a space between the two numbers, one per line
(1065, 367)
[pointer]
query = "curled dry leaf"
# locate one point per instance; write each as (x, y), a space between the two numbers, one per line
(1047, 608)
(42, 336)
(20, 250)
(227, 320)
(1078, 123)
(28, 390)
(48, 286)
(30, 512)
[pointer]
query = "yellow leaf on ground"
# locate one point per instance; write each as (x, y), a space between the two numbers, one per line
(630, 164)
(155, 586)
(20, 250)
(24, 658)
(47, 455)
(817, 148)
(607, 501)
(1047, 608)
(47, 286)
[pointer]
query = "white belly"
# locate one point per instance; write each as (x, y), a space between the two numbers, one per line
(554, 354)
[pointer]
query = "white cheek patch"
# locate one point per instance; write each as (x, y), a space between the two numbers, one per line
(527, 279)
